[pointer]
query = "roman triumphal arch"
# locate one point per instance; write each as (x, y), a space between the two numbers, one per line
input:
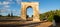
(34, 5)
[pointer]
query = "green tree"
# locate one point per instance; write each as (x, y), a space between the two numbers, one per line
(8, 15)
(0, 15)
(50, 14)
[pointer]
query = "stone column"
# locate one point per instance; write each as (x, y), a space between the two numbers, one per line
(36, 14)
(23, 12)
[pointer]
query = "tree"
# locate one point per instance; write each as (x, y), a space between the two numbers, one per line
(50, 14)
(0, 15)
(8, 15)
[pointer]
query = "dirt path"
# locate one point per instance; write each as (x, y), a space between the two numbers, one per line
(45, 24)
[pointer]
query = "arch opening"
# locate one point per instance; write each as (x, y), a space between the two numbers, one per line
(29, 13)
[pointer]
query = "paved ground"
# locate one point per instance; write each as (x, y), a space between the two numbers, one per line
(45, 24)
(25, 24)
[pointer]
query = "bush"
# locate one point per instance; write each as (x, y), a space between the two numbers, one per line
(50, 18)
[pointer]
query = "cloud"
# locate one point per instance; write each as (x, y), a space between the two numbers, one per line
(10, 0)
(2, 10)
(0, 3)
(18, 1)
(6, 3)
(14, 10)
(5, 10)
(4, 6)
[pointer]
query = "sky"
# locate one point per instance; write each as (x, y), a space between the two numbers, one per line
(14, 6)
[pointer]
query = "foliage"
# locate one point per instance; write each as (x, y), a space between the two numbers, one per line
(50, 18)
(8, 15)
(0, 15)
(41, 16)
(50, 14)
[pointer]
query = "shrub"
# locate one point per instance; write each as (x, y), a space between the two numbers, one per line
(50, 18)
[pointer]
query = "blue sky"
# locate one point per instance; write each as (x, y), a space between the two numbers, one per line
(8, 6)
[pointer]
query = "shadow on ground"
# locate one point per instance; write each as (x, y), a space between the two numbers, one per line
(20, 25)
(50, 25)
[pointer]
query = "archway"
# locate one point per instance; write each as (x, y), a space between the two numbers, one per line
(29, 13)
(34, 6)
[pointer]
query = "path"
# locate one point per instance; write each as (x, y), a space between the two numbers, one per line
(24, 24)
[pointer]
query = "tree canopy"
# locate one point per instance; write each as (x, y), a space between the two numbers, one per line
(50, 14)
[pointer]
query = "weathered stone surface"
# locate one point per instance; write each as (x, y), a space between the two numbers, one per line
(34, 6)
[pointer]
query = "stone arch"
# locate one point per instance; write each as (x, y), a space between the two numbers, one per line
(29, 13)
(28, 8)
(34, 6)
